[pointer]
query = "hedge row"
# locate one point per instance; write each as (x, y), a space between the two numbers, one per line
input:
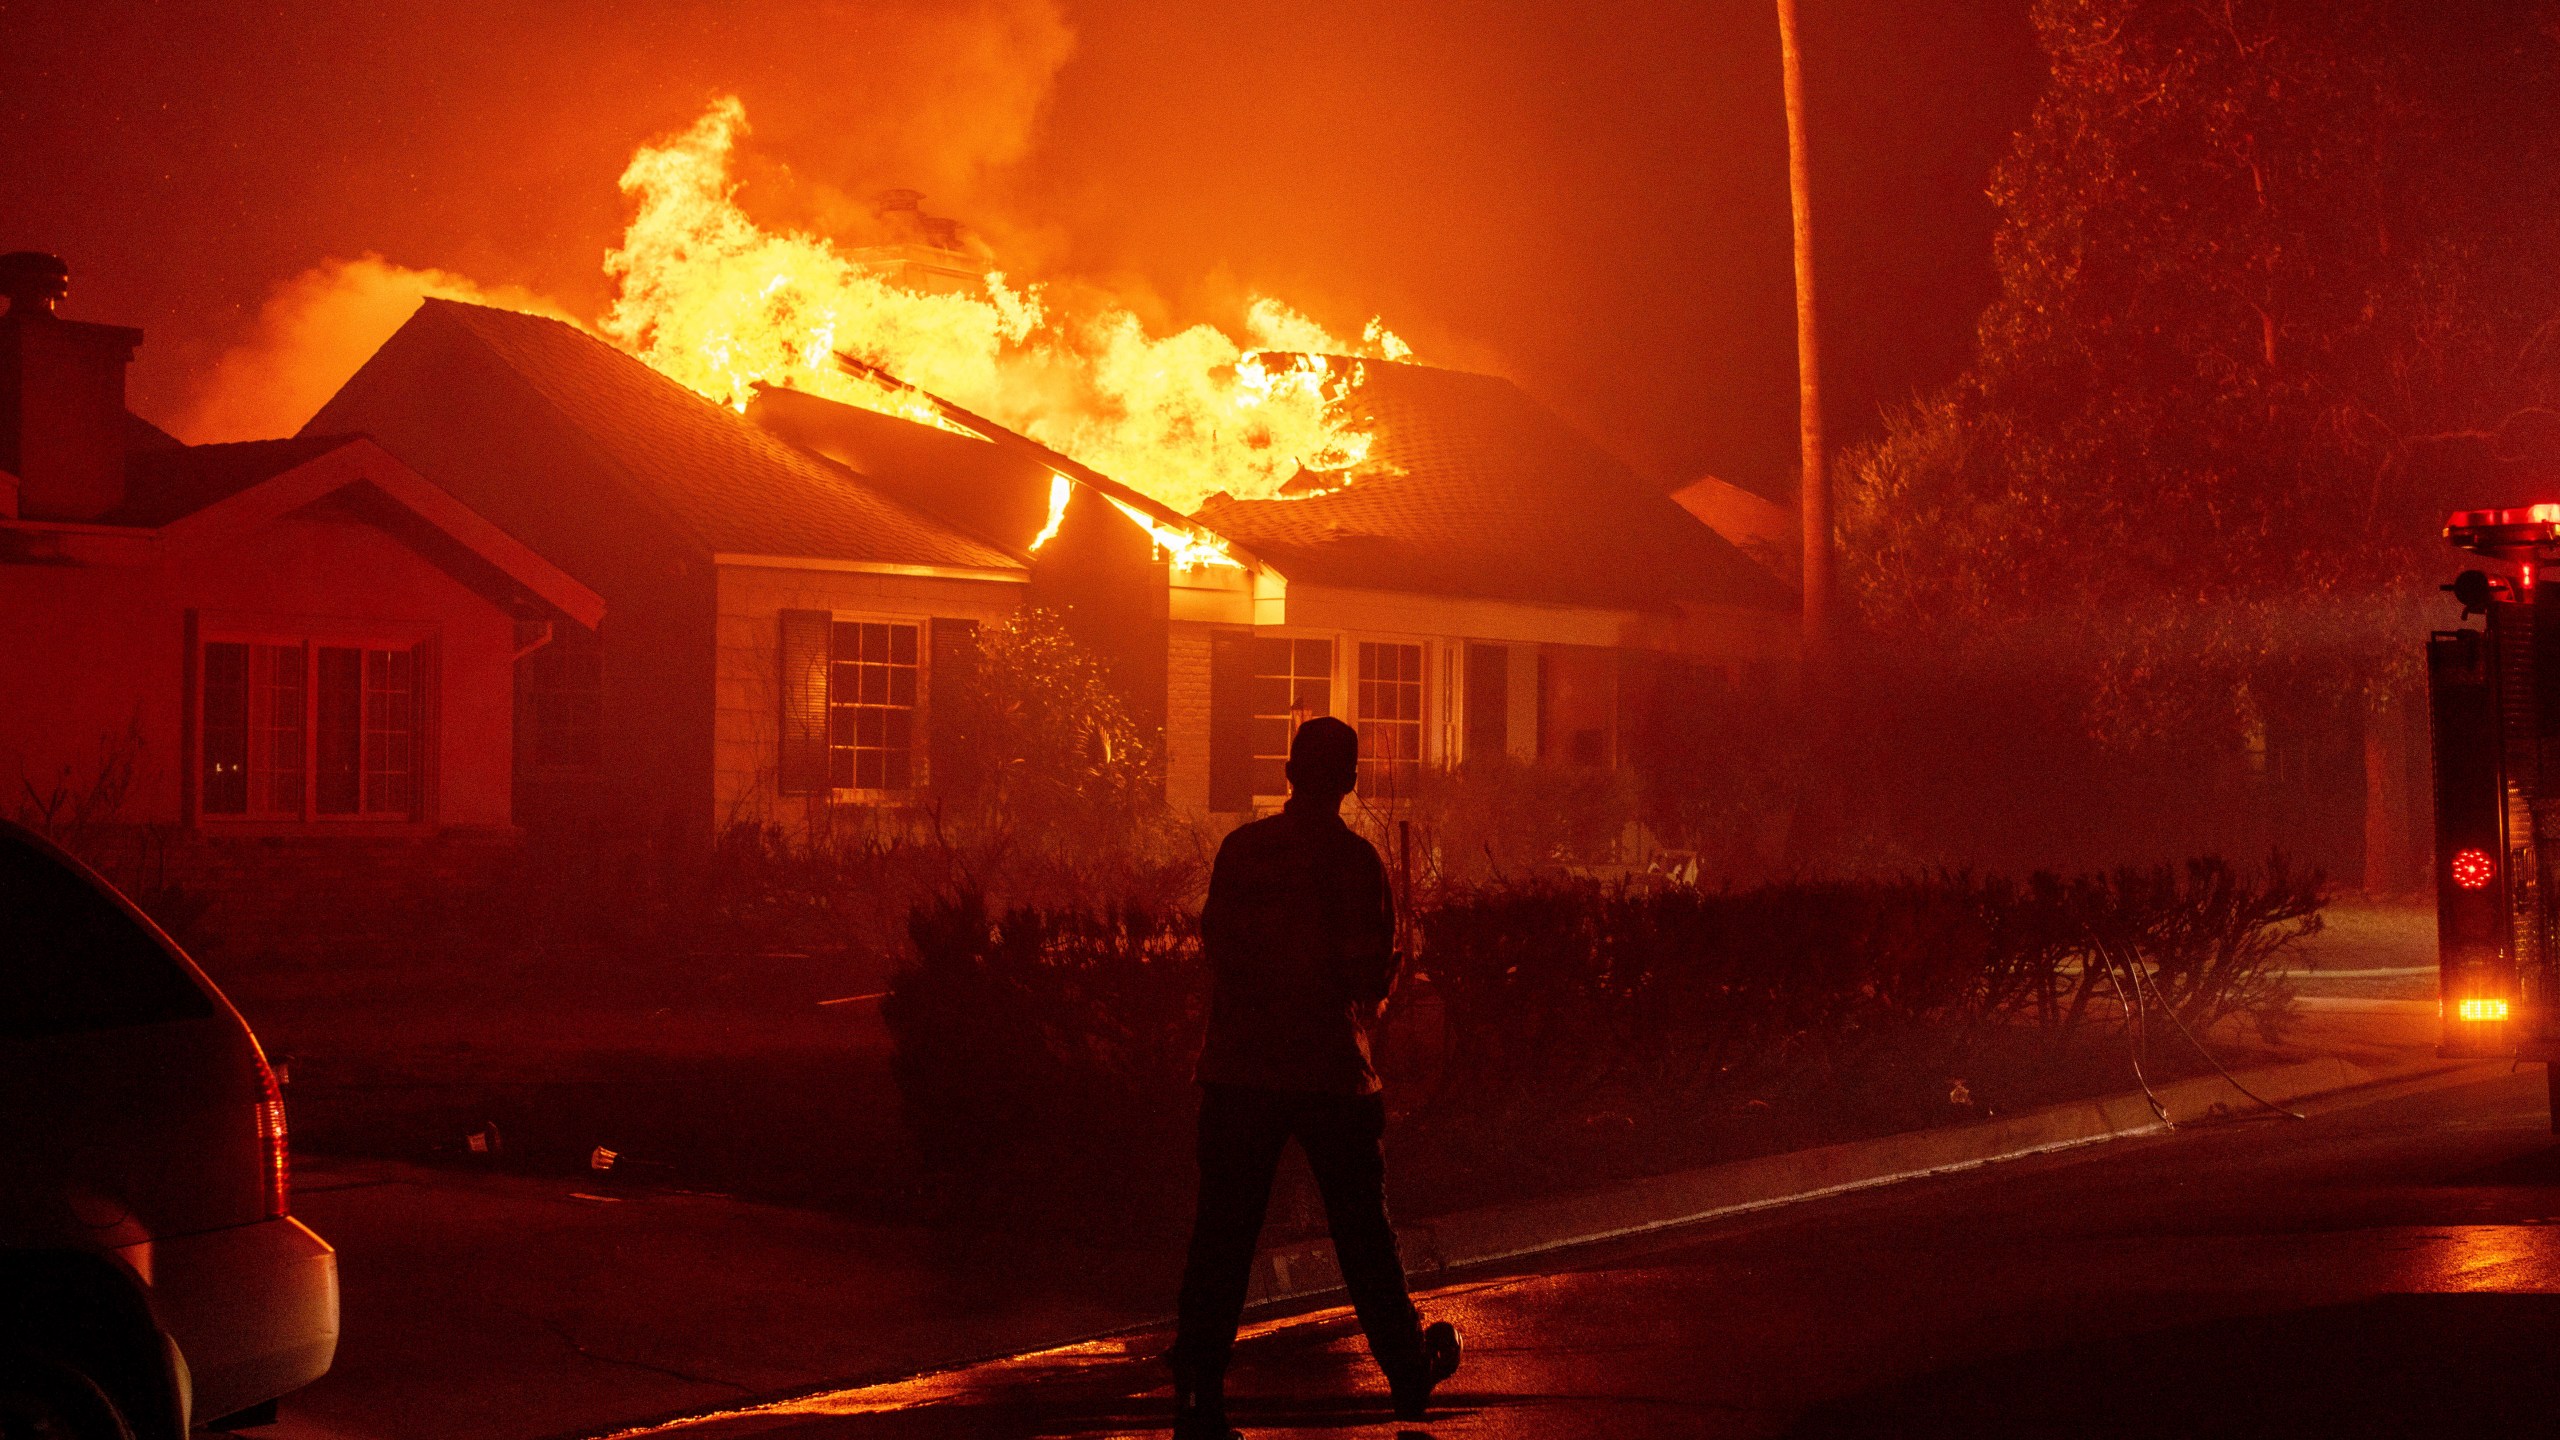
(1052, 1047)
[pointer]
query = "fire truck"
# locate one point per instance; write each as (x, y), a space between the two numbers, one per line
(2494, 703)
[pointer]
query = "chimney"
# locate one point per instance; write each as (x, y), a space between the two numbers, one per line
(62, 416)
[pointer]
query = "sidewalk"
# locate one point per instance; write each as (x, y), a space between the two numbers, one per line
(510, 1308)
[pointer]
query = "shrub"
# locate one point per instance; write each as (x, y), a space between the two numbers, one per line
(1048, 1051)
(1496, 818)
(1048, 1048)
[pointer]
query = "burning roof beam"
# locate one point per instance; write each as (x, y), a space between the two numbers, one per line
(1186, 543)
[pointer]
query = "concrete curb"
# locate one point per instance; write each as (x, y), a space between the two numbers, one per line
(1479, 1237)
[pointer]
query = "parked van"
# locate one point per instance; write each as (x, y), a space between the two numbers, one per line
(152, 1279)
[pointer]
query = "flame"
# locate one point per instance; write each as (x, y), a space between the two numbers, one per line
(1061, 489)
(722, 305)
(1184, 548)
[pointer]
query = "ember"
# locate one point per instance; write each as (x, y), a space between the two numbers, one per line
(723, 305)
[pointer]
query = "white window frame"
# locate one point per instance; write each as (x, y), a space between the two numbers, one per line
(919, 767)
(1426, 737)
(313, 637)
(1333, 693)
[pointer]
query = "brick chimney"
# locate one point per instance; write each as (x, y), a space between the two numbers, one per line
(62, 416)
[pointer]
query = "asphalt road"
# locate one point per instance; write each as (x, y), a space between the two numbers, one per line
(2389, 1266)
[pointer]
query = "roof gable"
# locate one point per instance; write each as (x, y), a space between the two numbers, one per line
(1472, 488)
(385, 493)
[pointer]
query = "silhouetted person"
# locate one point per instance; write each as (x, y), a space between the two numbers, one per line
(1300, 934)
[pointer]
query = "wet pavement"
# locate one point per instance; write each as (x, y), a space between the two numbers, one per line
(2386, 1267)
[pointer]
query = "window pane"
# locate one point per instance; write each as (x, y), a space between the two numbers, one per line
(564, 685)
(390, 731)
(226, 728)
(338, 744)
(844, 642)
(1270, 777)
(1271, 695)
(876, 686)
(1390, 704)
(1315, 696)
(277, 757)
(1270, 735)
(1270, 655)
(1315, 657)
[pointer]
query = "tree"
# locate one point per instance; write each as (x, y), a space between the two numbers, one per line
(2268, 307)
(1050, 762)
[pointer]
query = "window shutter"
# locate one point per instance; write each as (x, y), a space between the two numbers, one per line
(1488, 708)
(952, 671)
(190, 682)
(801, 759)
(1230, 720)
(428, 755)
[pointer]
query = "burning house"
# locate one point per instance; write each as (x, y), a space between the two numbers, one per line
(789, 589)
(728, 558)
(282, 666)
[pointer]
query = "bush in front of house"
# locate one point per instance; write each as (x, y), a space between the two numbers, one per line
(1046, 1052)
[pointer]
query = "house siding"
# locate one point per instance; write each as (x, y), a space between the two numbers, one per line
(747, 636)
(93, 652)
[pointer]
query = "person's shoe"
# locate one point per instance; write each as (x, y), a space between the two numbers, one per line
(1439, 1361)
(1200, 1413)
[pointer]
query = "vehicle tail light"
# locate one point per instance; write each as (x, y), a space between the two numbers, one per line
(2484, 1009)
(271, 1141)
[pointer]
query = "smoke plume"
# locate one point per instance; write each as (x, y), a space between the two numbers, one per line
(312, 333)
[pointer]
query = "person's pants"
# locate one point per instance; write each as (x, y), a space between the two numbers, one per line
(1242, 1130)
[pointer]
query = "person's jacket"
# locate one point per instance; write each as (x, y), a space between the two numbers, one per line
(1300, 935)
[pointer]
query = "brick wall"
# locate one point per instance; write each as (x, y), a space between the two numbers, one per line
(1186, 729)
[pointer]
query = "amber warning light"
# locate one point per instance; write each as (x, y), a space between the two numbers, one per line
(2483, 1010)
(2472, 869)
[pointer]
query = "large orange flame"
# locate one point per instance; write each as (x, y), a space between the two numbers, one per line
(722, 305)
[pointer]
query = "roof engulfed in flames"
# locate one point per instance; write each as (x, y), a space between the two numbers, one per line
(719, 303)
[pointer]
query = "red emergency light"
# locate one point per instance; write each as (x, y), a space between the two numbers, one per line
(2473, 869)
(2520, 533)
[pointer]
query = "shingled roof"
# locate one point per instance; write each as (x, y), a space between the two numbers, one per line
(1474, 489)
(719, 482)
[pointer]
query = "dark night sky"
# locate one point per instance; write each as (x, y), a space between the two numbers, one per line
(1590, 199)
